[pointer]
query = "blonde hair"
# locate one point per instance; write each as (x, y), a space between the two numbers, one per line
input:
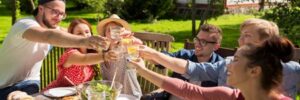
(265, 29)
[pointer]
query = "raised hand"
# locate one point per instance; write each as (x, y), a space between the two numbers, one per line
(138, 63)
(95, 42)
(111, 55)
(146, 52)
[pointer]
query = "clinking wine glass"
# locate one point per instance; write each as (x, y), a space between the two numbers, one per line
(132, 52)
(115, 32)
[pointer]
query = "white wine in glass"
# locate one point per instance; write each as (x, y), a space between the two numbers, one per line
(133, 52)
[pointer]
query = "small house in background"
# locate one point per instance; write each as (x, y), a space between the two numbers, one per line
(229, 6)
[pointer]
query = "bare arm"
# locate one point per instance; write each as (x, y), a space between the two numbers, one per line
(185, 90)
(78, 58)
(151, 76)
(61, 38)
(175, 64)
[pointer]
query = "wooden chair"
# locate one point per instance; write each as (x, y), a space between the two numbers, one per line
(224, 52)
(159, 42)
(49, 70)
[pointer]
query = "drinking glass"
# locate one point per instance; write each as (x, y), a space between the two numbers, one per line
(132, 51)
(115, 32)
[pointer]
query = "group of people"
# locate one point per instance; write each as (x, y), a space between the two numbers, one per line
(30, 39)
(260, 69)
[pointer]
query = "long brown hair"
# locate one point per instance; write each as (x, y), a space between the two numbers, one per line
(77, 21)
(74, 23)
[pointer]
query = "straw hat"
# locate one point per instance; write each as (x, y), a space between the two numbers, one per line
(113, 18)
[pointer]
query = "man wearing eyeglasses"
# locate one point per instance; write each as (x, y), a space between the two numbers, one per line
(206, 42)
(28, 43)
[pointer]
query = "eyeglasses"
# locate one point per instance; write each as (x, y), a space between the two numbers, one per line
(202, 42)
(55, 12)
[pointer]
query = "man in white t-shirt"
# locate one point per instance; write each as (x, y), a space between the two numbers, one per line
(28, 43)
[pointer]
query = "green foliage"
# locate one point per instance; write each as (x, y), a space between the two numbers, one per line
(96, 6)
(146, 10)
(18, 6)
(23, 5)
(287, 18)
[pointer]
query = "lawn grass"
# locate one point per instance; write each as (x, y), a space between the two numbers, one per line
(180, 29)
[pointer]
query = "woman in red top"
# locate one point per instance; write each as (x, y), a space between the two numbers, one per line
(76, 64)
(256, 71)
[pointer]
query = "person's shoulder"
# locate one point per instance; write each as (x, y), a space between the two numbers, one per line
(291, 65)
(27, 21)
(190, 51)
(217, 56)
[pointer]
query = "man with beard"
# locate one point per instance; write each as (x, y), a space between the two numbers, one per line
(206, 42)
(28, 43)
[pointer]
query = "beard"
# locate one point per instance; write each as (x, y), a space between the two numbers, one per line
(47, 23)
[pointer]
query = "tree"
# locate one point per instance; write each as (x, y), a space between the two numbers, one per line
(32, 6)
(15, 10)
(286, 15)
(261, 5)
(91, 5)
(146, 10)
(215, 8)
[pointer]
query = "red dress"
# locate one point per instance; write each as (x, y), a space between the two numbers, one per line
(76, 73)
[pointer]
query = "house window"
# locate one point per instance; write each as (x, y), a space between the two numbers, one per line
(233, 2)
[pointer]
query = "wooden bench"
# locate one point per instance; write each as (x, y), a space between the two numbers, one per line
(160, 42)
(154, 40)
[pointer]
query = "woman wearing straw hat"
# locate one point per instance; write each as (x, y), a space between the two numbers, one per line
(117, 70)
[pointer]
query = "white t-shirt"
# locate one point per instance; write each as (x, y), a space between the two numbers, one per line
(21, 59)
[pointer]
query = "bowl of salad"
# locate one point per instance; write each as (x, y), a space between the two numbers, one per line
(100, 90)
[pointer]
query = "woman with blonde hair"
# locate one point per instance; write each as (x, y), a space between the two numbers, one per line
(118, 70)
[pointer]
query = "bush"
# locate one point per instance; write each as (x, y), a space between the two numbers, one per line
(147, 10)
(25, 5)
(287, 18)
(96, 6)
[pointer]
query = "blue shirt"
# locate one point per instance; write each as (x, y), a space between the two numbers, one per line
(190, 55)
(217, 72)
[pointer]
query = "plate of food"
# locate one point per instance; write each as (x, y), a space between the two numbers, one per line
(60, 92)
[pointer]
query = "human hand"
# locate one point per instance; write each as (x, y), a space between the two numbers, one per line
(125, 33)
(95, 42)
(111, 55)
(137, 64)
(19, 95)
(137, 41)
(146, 52)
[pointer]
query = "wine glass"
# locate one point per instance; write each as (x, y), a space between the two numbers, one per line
(132, 52)
(115, 32)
